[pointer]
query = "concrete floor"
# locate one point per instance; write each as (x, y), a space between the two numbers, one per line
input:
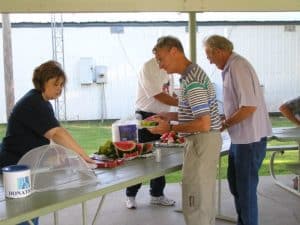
(276, 207)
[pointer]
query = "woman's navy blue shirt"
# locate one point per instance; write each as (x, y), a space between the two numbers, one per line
(30, 119)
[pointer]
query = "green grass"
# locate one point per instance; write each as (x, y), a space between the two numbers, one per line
(92, 134)
(2, 130)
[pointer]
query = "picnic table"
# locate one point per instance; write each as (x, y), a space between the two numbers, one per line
(13, 211)
(285, 134)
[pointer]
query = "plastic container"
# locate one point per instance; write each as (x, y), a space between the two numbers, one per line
(17, 181)
(124, 130)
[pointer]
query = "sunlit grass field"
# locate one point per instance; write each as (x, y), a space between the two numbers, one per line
(91, 134)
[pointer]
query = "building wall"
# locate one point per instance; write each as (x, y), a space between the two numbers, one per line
(274, 54)
(272, 51)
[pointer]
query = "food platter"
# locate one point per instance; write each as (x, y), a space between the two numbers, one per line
(96, 156)
(110, 163)
(171, 139)
(170, 145)
(147, 155)
(102, 161)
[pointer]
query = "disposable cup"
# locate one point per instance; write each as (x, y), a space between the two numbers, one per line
(158, 155)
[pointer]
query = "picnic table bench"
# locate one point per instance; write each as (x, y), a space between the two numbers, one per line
(286, 134)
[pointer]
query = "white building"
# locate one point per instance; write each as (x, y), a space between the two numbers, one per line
(273, 47)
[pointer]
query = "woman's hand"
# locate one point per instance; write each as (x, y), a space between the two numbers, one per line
(88, 159)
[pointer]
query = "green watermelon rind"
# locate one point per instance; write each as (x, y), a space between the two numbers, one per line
(147, 148)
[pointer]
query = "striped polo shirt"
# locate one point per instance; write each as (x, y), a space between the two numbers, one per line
(197, 98)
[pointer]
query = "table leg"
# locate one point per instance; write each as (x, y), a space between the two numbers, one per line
(219, 215)
(298, 183)
(83, 204)
(299, 151)
(298, 175)
(98, 209)
(277, 182)
(55, 215)
(179, 210)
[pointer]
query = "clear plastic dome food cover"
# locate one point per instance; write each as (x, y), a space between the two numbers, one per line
(54, 167)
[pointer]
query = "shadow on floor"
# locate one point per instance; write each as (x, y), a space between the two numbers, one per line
(277, 207)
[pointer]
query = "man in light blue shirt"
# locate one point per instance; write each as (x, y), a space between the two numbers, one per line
(248, 124)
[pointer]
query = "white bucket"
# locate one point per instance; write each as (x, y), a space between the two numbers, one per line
(16, 180)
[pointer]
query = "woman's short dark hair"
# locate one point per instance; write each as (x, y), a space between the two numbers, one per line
(46, 71)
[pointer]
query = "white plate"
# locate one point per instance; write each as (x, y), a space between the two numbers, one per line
(146, 155)
(171, 145)
(100, 157)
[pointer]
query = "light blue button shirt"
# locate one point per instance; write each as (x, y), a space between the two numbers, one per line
(241, 88)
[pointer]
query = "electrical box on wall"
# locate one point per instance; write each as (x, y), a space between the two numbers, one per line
(86, 70)
(100, 74)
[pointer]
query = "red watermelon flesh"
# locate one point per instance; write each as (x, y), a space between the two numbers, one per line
(125, 146)
(139, 147)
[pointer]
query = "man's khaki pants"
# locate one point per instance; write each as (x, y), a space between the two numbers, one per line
(201, 156)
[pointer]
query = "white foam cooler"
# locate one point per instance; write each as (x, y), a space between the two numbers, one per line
(124, 131)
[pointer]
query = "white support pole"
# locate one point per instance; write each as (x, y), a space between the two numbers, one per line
(8, 64)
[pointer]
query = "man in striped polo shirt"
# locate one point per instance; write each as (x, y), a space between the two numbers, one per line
(199, 123)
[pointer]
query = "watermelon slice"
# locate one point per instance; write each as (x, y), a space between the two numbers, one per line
(129, 156)
(109, 163)
(147, 148)
(139, 147)
(125, 146)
